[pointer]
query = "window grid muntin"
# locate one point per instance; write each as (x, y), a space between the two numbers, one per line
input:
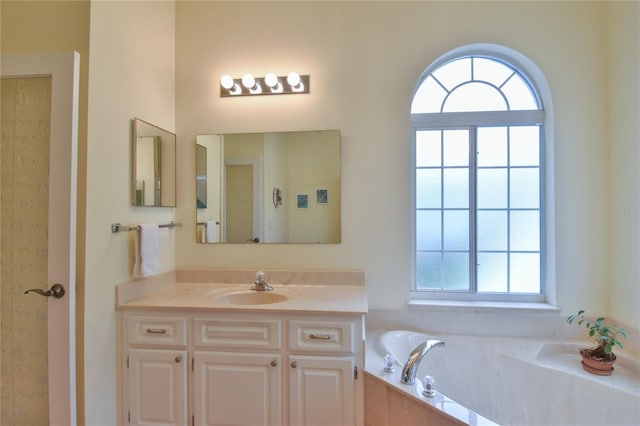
(515, 73)
(473, 252)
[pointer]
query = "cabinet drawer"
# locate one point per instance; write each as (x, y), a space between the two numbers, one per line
(321, 336)
(163, 331)
(237, 334)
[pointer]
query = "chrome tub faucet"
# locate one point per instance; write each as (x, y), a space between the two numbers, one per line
(408, 376)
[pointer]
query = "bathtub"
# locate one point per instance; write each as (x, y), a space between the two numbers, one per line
(512, 381)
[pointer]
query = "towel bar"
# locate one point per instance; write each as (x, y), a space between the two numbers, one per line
(117, 227)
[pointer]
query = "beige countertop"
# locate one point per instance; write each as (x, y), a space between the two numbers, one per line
(321, 299)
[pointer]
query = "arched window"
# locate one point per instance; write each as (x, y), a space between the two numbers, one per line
(479, 209)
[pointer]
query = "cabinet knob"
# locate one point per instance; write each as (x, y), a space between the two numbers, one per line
(294, 364)
(274, 363)
(178, 359)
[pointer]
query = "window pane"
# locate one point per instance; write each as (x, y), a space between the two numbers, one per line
(456, 147)
(428, 97)
(474, 96)
(491, 71)
(525, 188)
(428, 187)
(456, 188)
(428, 230)
(492, 272)
(492, 230)
(525, 273)
(456, 271)
(492, 146)
(456, 230)
(428, 270)
(492, 188)
(519, 94)
(525, 230)
(454, 73)
(428, 148)
(524, 146)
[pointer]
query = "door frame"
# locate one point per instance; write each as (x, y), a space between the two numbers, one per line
(64, 70)
(256, 165)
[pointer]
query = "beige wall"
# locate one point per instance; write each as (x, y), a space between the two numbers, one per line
(364, 60)
(623, 208)
(132, 75)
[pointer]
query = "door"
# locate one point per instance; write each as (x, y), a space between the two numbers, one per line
(321, 391)
(237, 389)
(239, 205)
(50, 216)
(157, 387)
(242, 221)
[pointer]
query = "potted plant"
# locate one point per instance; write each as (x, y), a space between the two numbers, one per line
(599, 359)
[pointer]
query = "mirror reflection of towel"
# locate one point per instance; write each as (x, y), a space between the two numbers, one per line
(146, 251)
(211, 227)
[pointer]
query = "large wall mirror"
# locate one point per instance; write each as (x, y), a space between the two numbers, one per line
(281, 187)
(154, 166)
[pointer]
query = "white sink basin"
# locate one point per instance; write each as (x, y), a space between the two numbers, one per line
(251, 298)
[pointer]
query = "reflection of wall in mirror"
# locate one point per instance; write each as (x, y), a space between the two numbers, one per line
(317, 223)
(201, 176)
(276, 229)
(212, 211)
(167, 170)
(147, 165)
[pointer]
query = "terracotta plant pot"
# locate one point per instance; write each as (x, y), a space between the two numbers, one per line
(596, 365)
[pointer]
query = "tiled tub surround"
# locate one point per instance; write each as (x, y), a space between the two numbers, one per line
(510, 380)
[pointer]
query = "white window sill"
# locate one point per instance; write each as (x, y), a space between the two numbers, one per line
(481, 306)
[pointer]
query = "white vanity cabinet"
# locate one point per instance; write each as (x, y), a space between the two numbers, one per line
(248, 368)
(323, 371)
(156, 370)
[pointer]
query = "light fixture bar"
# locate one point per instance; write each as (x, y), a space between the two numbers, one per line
(267, 85)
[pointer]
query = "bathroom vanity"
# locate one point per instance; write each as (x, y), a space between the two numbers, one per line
(220, 354)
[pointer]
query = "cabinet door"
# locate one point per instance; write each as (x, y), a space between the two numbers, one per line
(237, 389)
(321, 391)
(157, 387)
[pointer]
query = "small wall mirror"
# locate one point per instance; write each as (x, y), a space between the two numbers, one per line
(154, 166)
(280, 187)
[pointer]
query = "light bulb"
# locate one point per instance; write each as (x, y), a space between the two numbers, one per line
(248, 81)
(226, 81)
(293, 79)
(271, 80)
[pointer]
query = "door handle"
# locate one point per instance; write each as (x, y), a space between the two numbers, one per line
(56, 291)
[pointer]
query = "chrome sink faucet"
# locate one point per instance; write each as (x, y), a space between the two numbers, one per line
(408, 376)
(260, 284)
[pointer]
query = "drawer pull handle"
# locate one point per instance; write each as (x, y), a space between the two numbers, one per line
(156, 331)
(274, 363)
(178, 359)
(319, 336)
(294, 364)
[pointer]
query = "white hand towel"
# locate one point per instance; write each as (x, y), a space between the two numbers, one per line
(212, 231)
(146, 251)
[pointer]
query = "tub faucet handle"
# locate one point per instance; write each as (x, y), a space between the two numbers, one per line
(388, 364)
(429, 384)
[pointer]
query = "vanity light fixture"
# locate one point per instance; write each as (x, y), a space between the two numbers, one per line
(270, 84)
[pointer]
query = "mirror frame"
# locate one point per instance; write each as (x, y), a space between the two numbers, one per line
(170, 190)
